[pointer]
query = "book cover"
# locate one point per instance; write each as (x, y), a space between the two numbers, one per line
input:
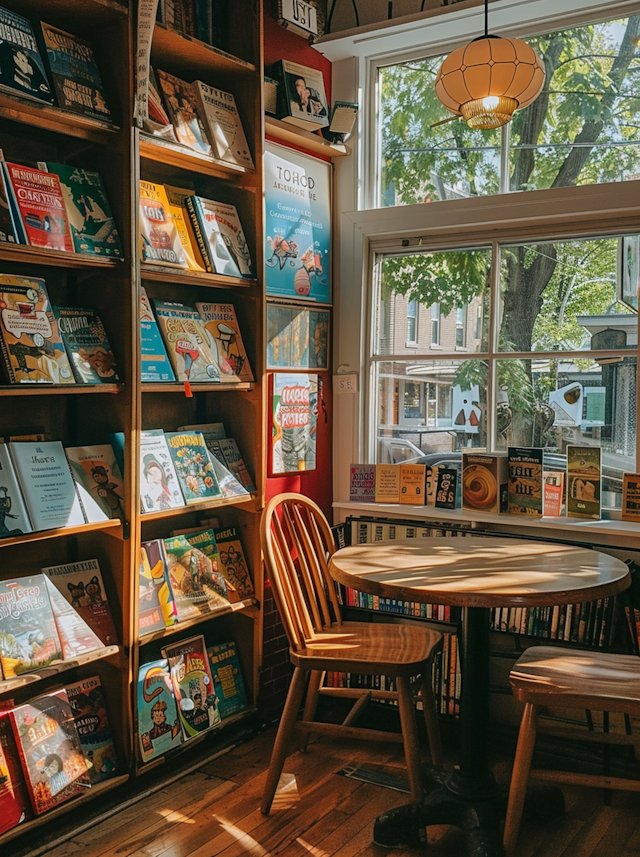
(157, 123)
(93, 228)
(227, 679)
(30, 339)
(630, 496)
(14, 520)
(413, 484)
(82, 585)
(27, 626)
(431, 484)
(279, 325)
(15, 806)
(7, 228)
(196, 588)
(525, 481)
(387, 485)
(153, 354)
(47, 486)
(159, 240)
(220, 324)
(193, 687)
(150, 616)
(88, 348)
(293, 422)
(220, 237)
(158, 724)
(21, 67)
(362, 484)
(160, 576)
(187, 344)
(218, 108)
(235, 462)
(177, 199)
(318, 339)
(301, 96)
(205, 541)
(182, 108)
(40, 204)
(233, 563)
(553, 492)
(159, 486)
(446, 489)
(229, 485)
(48, 743)
(584, 481)
(484, 480)
(76, 637)
(193, 467)
(87, 701)
(98, 480)
(74, 73)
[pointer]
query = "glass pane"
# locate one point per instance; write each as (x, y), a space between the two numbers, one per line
(557, 403)
(455, 393)
(419, 163)
(583, 128)
(449, 279)
(569, 295)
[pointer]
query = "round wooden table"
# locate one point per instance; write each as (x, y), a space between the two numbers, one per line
(474, 573)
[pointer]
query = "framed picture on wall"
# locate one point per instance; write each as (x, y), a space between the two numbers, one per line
(297, 225)
(294, 414)
(297, 337)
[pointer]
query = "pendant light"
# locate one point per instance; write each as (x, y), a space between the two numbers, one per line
(486, 81)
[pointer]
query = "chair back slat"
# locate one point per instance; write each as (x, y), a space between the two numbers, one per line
(325, 548)
(303, 526)
(295, 604)
(288, 515)
(282, 595)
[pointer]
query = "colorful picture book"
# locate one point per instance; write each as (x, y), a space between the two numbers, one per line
(301, 97)
(39, 214)
(154, 550)
(157, 123)
(82, 585)
(177, 199)
(553, 492)
(232, 562)
(15, 806)
(14, 519)
(205, 541)
(74, 73)
(193, 467)
(235, 462)
(218, 109)
(293, 422)
(47, 486)
(158, 725)
(21, 67)
(186, 342)
(195, 584)
(159, 486)
(87, 701)
(584, 481)
(31, 343)
(7, 229)
(182, 108)
(150, 616)
(159, 239)
(297, 338)
(153, 354)
(213, 433)
(220, 323)
(220, 237)
(227, 679)
(193, 687)
(76, 637)
(525, 481)
(362, 483)
(29, 634)
(87, 346)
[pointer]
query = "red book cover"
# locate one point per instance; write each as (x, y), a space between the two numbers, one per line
(39, 199)
(15, 806)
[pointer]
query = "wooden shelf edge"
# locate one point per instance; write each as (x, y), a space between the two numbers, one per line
(286, 133)
(196, 507)
(167, 152)
(163, 274)
(237, 607)
(9, 685)
(26, 254)
(196, 387)
(93, 792)
(62, 531)
(178, 45)
(57, 389)
(51, 118)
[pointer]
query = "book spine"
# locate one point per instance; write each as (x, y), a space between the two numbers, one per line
(192, 208)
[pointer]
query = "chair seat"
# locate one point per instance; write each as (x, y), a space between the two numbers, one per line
(547, 675)
(370, 649)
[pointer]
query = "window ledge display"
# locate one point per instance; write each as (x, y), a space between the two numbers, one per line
(299, 137)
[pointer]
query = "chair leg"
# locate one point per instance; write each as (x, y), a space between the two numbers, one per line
(431, 720)
(410, 736)
(520, 777)
(311, 704)
(283, 737)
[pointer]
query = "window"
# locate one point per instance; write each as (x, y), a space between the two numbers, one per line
(461, 327)
(479, 322)
(435, 324)
(412, 321)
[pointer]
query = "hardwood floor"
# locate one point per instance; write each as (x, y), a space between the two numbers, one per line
(214, 812)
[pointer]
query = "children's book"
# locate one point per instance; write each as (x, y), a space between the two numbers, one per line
(160, 577)
(21, 67)
(93, 228)
(227, 679)
(195, 584)
(153, 354)
(235, 462)
(387, 488)
(198, 708)
(193, 467)
(553, 492)
(186, 342)
(15, 806)
(76, 637)
(413, 484)
(584, 481)
(221, 326)
(98, 480)
(525, 481)
(158, 725)
(88, 349)
(182, 107)
(362, 483)
(232, 561)
(220, 237)
(223, 122)
(74, 73)
(87, 701)
(177, 199)
(27, 626)
(39, 206)
(293, 423)
(229, 485)
(14, 520)
(150, 616)
(159, 239)
(159, 486)
(82, 585)
(30, 338)
(50, 750)
(47, 485)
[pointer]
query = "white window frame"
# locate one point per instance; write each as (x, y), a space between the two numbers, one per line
(412, 304)
(436, 324)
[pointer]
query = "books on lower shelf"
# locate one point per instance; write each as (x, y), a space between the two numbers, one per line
(158, 725)
(89, 707)
(220, 237)
(82, 585)
(30, 637)
(591, 623)
(196, 701)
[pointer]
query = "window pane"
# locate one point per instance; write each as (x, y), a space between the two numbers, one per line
(557, 403)
(444, 278)
(566, 295)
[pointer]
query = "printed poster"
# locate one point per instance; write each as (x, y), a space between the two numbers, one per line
(297, 225)
(294, 415)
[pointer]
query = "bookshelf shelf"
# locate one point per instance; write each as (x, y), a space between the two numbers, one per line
(62, 531)
(166, 152)
(9, 685)
(70, 12)
(50, 118)
(25, 254)
(240, 606)
(174, 49)
(161, 274)
(58, 389)
(173, 387)
(197, 507)
(286, 133)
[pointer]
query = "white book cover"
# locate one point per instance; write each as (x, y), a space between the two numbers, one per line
(98, 480)
(224, 125)
(14, 519)
(224, 239)
(47, 485)
(159, 486)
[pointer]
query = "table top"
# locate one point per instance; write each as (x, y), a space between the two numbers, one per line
(475, 571)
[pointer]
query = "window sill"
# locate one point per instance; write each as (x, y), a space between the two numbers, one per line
(435, 347)
(411, 345)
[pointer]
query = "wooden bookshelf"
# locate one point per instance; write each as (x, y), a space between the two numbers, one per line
(27, 255)
(245, 606)
(58, 389)
(206, 506)
(61, 532)
(10, 685)
(171, 48)
(50, 118)
(166, 152)
(288, 133)
(196, 387)
(163, 274)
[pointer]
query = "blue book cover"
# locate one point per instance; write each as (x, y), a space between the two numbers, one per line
(154, 359)
(158, 724)
(227, 679)
(21, 66)
(89, 708)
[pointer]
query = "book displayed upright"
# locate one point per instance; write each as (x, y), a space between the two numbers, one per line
(150, 616)
(446, 488)
(553, 492)
(220, 113)
(15, 806)
(220, 237)
(362, 483)
(159, 239)
(301, 96)
(525, 481)
(158, 725)
(193, 468)
(413, 484)
(47, 485)
(88, 704)
(177, 199)
(387, 487)
(198, 708)
(159, 486)
(293, 422)
(227, 679)
(14, 520)
(87, 346)
(27, 625)
(221, 325)
(40, 216)
(584, 481)
(7, 228)
(484, 481)
(153, 354)
(232, 561)
(154, 550)
(194, 583)
(630, 497)
(76, 637)
(182, 108)
(235, 462)
(187, 344)
(21, 67)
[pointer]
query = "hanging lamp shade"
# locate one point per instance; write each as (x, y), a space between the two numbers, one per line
(486, 81)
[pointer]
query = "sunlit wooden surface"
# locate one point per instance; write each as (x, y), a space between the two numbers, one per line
(479, 572)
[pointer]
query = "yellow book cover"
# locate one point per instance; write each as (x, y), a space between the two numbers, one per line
(387, 483)
(631, 497)
(413, 484)
(159, 240)
(178, 212)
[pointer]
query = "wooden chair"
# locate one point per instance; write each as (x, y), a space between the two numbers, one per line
(297, 543)
(547, 676)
